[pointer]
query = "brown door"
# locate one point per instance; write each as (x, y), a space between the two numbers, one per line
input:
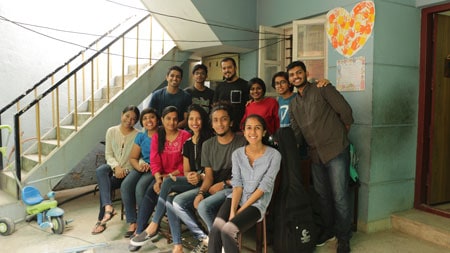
(439, 174)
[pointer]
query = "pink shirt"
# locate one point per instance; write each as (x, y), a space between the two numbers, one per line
(171, 159)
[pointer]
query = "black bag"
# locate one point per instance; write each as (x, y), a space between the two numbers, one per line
(295, 228)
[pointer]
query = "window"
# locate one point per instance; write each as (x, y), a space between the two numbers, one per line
(271, 55)
(304, 40)
(310, 46)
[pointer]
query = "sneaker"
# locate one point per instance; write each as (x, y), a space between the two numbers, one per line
(202, 247)
(324, 238)
(142, 238)
(132, 248)
(343, 246)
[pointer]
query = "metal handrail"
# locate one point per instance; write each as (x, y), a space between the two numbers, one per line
(72, 73)
(35, 86)
(17, 99)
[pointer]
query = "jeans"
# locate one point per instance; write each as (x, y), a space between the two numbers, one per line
(207, 209)
(331, 183)
(106, 182)
(174, 221)
(132, 191)
(165, 202)
(168, 186)
(225, 232)
(146, 207)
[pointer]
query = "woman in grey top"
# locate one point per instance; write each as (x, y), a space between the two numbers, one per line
(254, 168)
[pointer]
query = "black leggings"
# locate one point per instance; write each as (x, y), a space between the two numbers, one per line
(225, 233)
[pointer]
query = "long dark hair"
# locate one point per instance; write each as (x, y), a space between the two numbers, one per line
(162, 130)
(205, 131)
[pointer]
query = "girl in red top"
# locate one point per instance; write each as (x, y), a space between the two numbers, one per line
(266, 107)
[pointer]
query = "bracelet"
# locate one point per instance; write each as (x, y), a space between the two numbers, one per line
(200, 192)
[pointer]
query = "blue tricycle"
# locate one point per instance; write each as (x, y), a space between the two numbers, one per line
(46, 211)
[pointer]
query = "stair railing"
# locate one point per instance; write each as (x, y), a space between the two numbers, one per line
(50, 100)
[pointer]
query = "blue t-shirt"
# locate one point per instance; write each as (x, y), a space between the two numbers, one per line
(143, 141)
(161, 99)
(283, 111)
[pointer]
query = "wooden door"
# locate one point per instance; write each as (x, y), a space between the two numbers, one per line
(439, 174)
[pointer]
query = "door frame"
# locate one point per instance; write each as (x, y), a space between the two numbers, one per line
(425, 106)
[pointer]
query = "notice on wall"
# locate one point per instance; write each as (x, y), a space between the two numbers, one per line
(351, 74)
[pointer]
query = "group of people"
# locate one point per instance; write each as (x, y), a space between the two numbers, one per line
(203, 157)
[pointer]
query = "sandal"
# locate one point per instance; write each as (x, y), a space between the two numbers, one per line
(131, 230)
(111, 214)
(101, 225)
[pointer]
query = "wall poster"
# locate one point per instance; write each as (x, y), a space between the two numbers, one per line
(351, 74)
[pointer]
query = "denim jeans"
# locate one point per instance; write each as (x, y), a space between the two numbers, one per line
(106, 182)
(331, 183)
(224, 232)
(207, 209)
(165, 202)
(174, 221)
(168, 186)
(132, 191)
(146, 207)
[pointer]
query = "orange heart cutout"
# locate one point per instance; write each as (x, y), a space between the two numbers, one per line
(349, 32)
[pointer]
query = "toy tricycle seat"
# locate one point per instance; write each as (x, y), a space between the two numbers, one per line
(31, 196)
(35, 202)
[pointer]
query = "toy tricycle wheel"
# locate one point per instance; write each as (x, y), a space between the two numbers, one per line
(6, 226)
(58, 225)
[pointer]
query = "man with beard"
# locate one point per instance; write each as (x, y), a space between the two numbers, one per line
(322, 117)
(234, 89)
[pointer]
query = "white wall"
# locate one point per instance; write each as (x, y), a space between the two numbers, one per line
(27, 57)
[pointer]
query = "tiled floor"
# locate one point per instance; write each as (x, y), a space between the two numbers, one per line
(28, 237)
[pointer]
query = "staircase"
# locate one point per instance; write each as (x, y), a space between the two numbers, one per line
(53, 154)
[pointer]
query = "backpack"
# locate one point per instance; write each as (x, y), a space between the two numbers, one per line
(295, 228)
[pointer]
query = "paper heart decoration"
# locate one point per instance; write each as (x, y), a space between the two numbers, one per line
(349, 32)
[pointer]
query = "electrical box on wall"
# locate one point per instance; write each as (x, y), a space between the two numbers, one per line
(214, 68)
(447, 67)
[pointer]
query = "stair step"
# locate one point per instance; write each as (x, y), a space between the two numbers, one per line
(29, 161)
(128, 78)
(423, 225)
(112, 91)
(132, 68)
(8, 183)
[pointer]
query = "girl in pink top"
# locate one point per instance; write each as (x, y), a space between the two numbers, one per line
(166, 158)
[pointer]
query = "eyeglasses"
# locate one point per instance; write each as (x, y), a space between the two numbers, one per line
(281, 82)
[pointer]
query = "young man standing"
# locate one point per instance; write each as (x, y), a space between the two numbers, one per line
(172, 95)
(216, 158)
(322, 118)
(234, 89)
(285, 90)
(201, 94)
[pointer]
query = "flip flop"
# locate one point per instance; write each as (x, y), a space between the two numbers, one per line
(101, 225)
(111, 214)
